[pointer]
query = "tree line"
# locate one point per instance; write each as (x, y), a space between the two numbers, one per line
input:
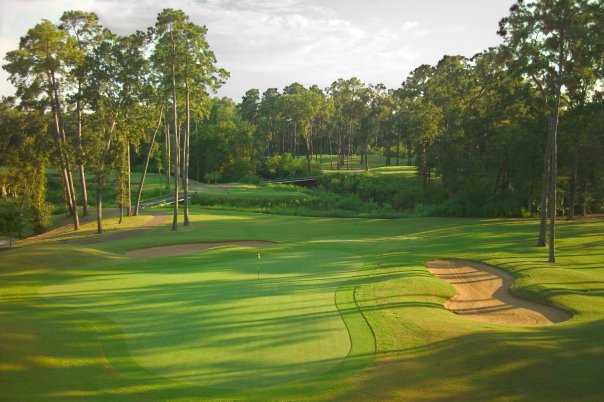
(86, 99)
(516, 127)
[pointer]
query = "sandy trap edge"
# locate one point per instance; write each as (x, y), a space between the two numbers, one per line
(191, 248)
(483, 294)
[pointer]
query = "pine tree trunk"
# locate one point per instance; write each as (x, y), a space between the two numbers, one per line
(129, 181)
(67, 164)
(308, 158)
(553, 179)
(70, 185)
(339, 151)
(398, 149)
(349, 145)
(60, 142)
(176, 150)
(543, 213)
(80, 161)
(121, 195)
(144, 174)
(84, 190)
(66, 190)
(584, 204)
(176, 153)
(100, 181)
(186, 157)
(282, 142)
(307, 141)
(168, 146)
(37, 197)
(330, 149)
(99, 203)
(573, 187)
(295, 139)
(424, 166)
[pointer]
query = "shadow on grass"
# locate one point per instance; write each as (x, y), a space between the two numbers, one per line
(495, 365)
(547, 364)
(75, 327)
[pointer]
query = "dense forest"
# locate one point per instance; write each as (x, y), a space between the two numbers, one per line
(512, 131)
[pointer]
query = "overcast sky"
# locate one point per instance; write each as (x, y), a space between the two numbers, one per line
(271, 43)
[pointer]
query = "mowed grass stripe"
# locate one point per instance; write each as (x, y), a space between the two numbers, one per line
(83, 322)
(362, 339)
(196, 319)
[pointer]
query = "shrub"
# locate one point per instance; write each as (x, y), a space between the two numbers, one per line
(406, 195)
(237, 169)
(296, 201)
(213, 177)
(251, 179)
(15, 219)
(287, 166)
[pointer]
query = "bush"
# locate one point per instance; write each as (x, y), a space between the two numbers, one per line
(251, 179)
(237, 169)
(294, 201)
(395, 193)
(406, 195)
(15, 219)
(287, 166)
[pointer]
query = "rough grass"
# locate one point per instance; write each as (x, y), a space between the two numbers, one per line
(344, 310)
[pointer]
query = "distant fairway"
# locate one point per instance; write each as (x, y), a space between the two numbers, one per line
(337, 309)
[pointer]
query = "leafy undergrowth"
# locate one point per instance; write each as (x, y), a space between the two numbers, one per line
(384, 192)
(290, 200)
(339, 309)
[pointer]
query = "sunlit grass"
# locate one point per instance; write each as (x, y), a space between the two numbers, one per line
(338, 309)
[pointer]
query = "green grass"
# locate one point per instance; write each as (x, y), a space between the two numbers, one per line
(407, 172)
(329, 162)
(402, 171)
(343, 310)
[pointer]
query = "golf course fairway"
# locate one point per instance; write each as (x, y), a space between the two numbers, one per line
(294, 308)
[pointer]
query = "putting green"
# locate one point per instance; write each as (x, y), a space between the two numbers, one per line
(223, 318)
(337, 309)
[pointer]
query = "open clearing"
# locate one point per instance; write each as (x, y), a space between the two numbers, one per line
(336, 309)
(482, 293)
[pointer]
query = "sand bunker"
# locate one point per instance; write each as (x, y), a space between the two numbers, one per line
(482, 293)
(183, 249)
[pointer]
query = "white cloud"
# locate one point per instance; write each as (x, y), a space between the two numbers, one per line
(409, 25)
(310, 42)
(261, 42)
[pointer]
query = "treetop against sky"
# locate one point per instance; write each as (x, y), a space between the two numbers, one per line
(271, 43)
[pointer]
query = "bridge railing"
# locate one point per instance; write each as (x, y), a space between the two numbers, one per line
(293, 180)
